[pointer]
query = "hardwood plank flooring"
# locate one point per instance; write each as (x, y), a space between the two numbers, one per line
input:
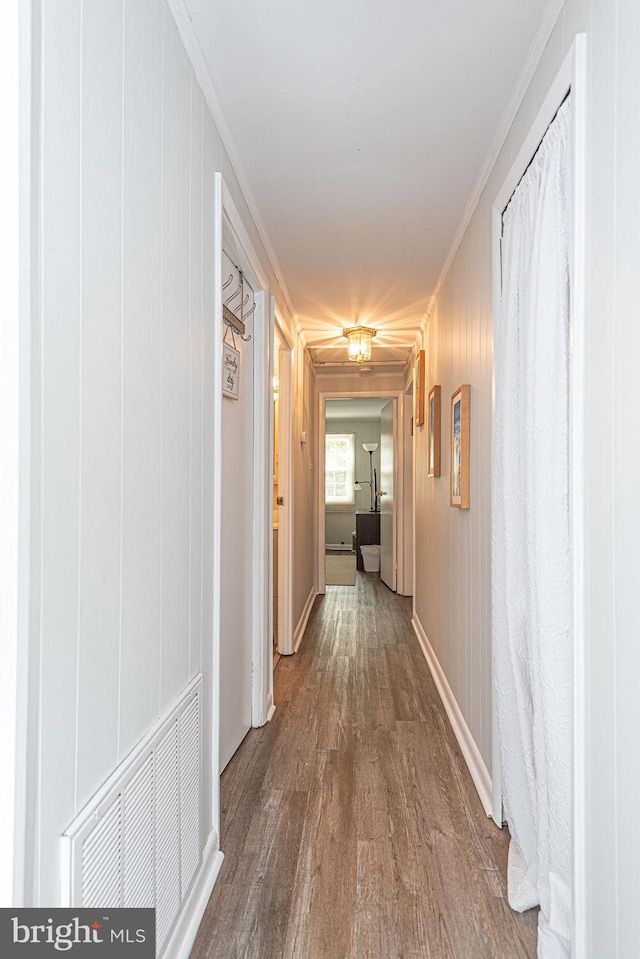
(350, 825)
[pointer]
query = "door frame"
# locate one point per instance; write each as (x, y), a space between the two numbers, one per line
(397, 505)
(323, 396)
(228, 223)
(285, 486)
(570, 78)
(15, 438)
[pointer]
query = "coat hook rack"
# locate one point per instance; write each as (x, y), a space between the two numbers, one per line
(234, 323)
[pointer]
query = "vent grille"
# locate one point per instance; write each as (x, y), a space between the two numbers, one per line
(138, 842)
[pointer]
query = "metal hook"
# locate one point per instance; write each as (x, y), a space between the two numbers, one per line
(235, 292)
(225, 285)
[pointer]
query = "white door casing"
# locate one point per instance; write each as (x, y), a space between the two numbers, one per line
(286, 492)
(243, 689)
(388, 460)
(320, 453)
(15, 324)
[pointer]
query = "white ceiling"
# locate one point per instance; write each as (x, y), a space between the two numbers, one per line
(362, 126)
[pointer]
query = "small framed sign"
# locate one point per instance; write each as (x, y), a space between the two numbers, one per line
(230, 372)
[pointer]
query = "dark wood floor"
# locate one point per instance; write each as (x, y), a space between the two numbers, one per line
(350, 825)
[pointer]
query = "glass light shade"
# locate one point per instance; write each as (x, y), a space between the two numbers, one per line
(370, 447)
(359, 337)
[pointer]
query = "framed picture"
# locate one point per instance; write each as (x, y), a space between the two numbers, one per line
(433, 426)
(460, 447)
(419, 388)
(230, 372)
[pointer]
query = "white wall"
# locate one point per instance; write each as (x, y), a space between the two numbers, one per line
(452, 590)
(612, 706)
(121, 509)
(120, 351)
(15, 307)
(454, 545)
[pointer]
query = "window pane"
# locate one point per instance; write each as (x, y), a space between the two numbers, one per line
(339, 468)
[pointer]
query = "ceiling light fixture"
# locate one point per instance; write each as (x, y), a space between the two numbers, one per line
(359, 338)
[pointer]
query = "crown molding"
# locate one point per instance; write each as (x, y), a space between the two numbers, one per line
(194, 52)
(549, 20)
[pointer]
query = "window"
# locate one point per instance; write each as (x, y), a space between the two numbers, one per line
(339, 469)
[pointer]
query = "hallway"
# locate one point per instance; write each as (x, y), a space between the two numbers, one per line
(350, 825)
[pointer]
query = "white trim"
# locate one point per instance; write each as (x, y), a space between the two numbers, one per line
(578, 403)
(15, 300)
(234, 228)
(184, 933)
(321, 576)
(472, 756)
(323, 396)
(203, 76)
(252, 267)
(271, 707)
(262, 685)
(571, 76)
(304, 619)
(399, 497)
(216, 494)
(557, 92)
(529, 66)
(286, 490)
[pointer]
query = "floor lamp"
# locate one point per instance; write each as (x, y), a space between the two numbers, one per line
(373, 480)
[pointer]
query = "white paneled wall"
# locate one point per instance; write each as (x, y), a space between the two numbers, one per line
(122, 517)
(122, 437)
(141, 351)
(453, 546)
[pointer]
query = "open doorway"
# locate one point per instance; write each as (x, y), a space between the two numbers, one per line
(352, 487)
(363, 459)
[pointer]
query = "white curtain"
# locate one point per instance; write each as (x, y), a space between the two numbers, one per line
(531, 564)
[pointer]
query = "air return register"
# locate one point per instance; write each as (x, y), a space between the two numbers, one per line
(138, 841)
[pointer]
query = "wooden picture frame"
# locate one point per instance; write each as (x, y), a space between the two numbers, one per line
(419, 390)
(433, 431)
(230, 372)
(460, 447)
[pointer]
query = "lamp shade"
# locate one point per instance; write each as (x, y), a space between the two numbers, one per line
(359, 337)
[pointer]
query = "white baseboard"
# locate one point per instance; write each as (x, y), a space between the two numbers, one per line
(186, 928)
(339, 547)
(304, 619)
(271, 707)
(470, 751)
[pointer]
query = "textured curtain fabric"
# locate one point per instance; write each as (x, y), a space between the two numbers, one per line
(531, 566)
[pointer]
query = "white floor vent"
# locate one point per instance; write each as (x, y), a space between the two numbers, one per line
(138, 842)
